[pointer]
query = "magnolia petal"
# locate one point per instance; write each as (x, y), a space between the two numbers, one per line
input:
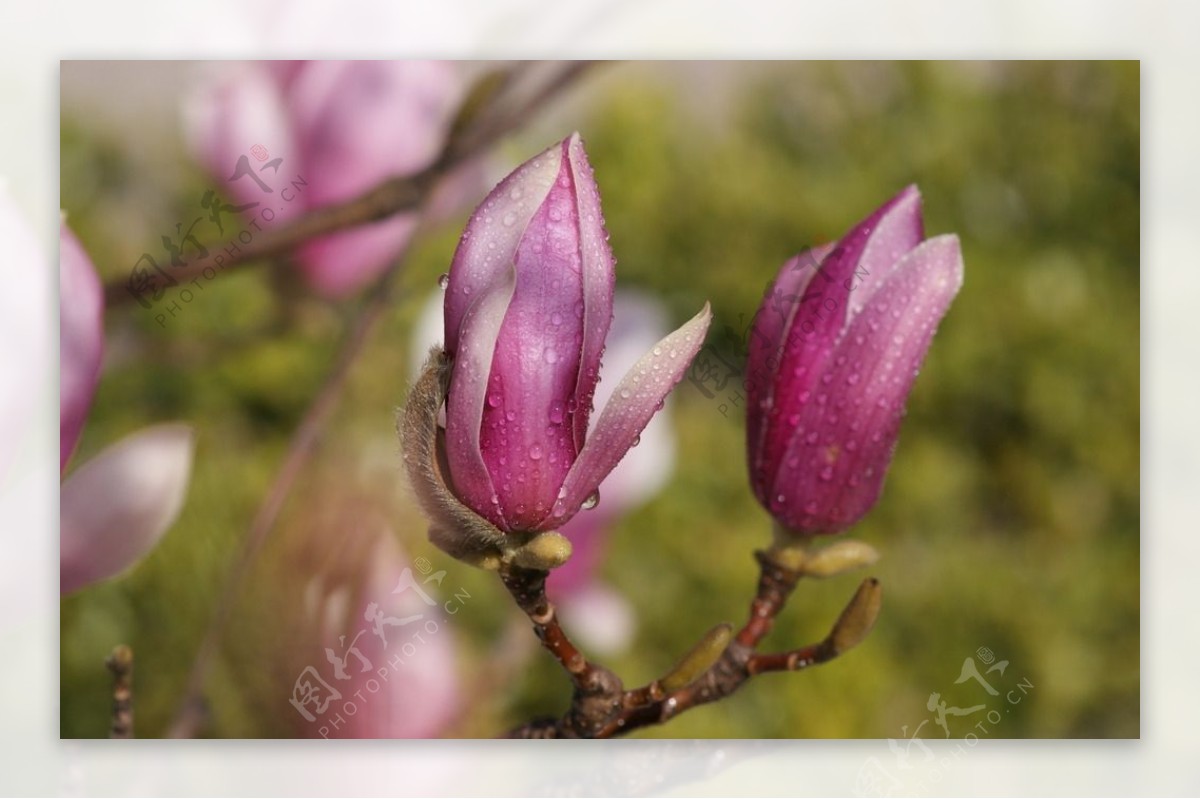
(115, 507)
(488, 246)
(764, 350)
(338, 265)
(527, 437)
(636, 398)
(599, 276)
(81, 330)
(464, 407)
(823, 314)
(898, 231)
(839, 453)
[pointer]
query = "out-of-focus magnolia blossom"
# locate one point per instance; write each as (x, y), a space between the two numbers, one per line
(388, 648)
(339, 128)
(81, 332)
(116, 506)
(598, 615)
(113, 508)
(528, 306)
(833, 355)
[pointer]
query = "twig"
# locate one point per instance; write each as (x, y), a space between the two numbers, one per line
(120, 663)
(709, 673)
(191, 712)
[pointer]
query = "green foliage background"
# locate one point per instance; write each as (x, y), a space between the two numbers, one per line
(1010, 518)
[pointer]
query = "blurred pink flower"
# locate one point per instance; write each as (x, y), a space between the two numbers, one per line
(342, 127)
(392, 655)
(81, 326)
(116, 506)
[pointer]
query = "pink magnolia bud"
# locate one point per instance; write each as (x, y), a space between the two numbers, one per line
(81, 327)
(833, 354)
(528, 307)
(115, 507)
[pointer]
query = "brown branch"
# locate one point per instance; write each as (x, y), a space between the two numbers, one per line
(192, 713)
(120, 663)
(710, 674)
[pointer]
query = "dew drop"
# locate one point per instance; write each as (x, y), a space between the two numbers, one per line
(636, 440)
(812, 437)
(493, 400)
(516, 192)
(509, 219)
(811, 507)
(852, 379)
(535, 453)
(550, 355)
(624, 393)
(827, 473)
(593, 499)
(444, 280)
(556, 412)
(794, 419)
(657, 350)
(804, 396)
(556, 318)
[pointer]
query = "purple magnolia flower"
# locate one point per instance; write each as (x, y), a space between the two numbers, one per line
(833, 355)
(528, 306)
(342, 127)
(81, 327)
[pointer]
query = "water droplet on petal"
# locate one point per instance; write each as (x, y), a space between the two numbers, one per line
(624, 393)
(509, 219)
(550, 355)
(827, 473)
(593, 499)
(535, 453)
(812, 437)
(444, 280)
(556, 412)
(556, 318)
(493, 400)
